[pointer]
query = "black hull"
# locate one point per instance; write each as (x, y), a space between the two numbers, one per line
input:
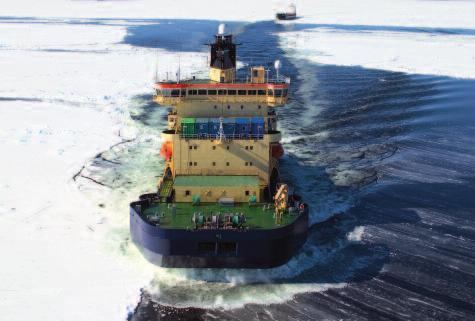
(284, 16)
(251, 248)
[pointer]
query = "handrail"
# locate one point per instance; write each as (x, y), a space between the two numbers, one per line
(226, 137)
(215, 171)
(282, 79)
(270, 100)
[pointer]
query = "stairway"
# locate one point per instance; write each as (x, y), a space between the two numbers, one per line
(165, 189)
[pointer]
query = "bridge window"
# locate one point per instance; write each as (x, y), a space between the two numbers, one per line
(201, 91)
(183, 92)
(285, 93)
(166, 92)
(193, 92)
(247, 193)
(251, 92)
(241, 92)
(231, 92)
(212, 92)
(175, 93)
(222, 92)
(261, 92)
(270, 92)
(187, 193)
(278, 92)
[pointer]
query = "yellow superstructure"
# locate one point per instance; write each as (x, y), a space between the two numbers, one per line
(222, 139)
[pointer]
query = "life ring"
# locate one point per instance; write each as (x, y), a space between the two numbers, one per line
(302, 206)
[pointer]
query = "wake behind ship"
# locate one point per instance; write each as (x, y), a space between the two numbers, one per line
(220, 202)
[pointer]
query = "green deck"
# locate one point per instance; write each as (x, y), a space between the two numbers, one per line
(256, 216)
(212, 180)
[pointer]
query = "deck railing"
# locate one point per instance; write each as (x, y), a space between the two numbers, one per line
(268, 100)
(212, 171)
(225, 137)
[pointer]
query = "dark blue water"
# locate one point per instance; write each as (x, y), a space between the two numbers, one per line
(388, 154)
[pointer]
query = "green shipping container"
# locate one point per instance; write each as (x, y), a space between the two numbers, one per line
(188, 127)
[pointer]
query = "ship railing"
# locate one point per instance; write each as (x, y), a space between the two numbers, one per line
(227, 137)
(281, 79)
(211, 171)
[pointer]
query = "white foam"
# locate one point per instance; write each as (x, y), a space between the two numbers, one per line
(356, 234)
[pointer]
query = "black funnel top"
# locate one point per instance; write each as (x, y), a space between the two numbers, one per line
(223, 52)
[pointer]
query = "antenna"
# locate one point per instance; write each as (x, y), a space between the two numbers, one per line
(156, 70)
(179, 71)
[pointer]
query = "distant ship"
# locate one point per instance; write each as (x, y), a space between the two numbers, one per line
(288, 13)
(220, 202)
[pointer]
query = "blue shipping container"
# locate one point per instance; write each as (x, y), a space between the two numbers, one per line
(201, 127)
(243, 127)
(229, 127)
(257, 127)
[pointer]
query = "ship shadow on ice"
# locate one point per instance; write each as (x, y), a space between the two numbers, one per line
(177, 35)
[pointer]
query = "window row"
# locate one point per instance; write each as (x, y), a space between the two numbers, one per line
(221, 92)
(188, 193)
(242, 107)
(214, 164)
(214, 147)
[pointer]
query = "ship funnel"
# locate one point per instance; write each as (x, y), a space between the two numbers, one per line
(223, 57)
(221, 29)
